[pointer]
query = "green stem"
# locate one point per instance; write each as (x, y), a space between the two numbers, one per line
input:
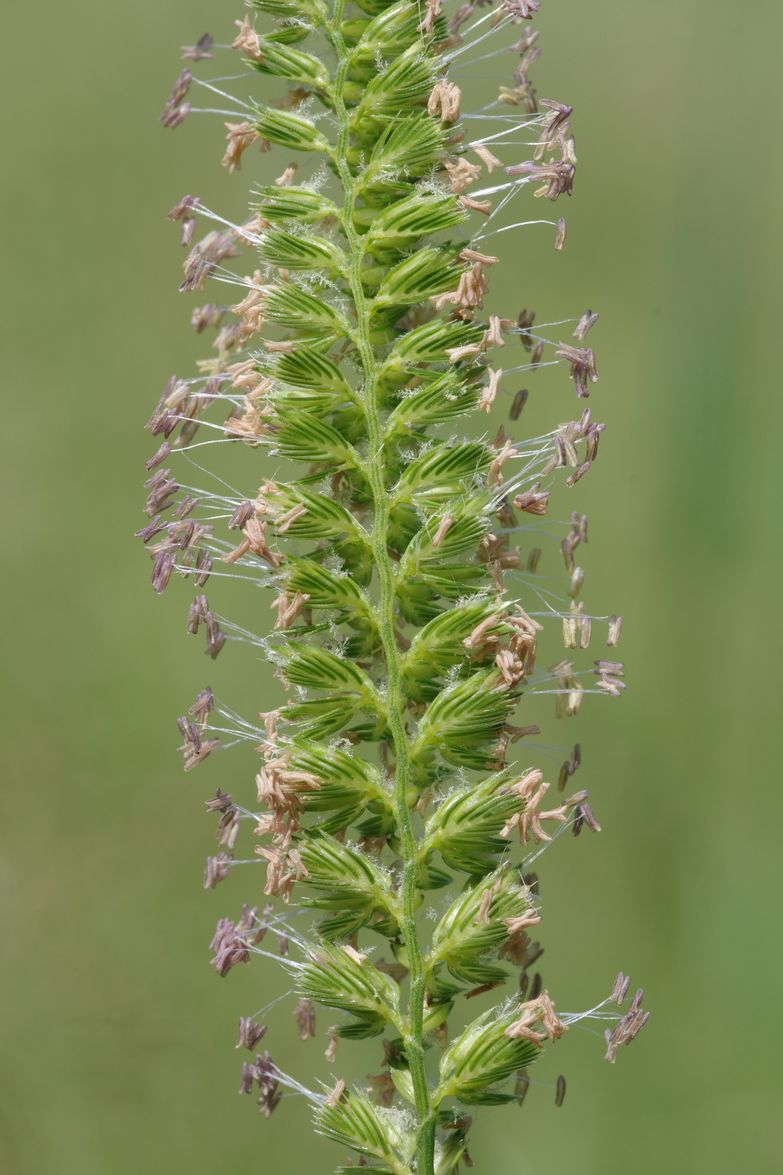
(425, 1142)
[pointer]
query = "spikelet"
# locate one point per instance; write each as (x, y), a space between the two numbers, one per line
(406, 619)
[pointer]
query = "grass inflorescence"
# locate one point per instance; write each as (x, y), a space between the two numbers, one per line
(357, 350)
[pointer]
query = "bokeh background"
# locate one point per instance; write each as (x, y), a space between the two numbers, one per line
(116, 1037)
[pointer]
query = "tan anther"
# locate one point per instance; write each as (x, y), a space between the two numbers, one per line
(493, 337)
(462, 173)
(510, 666)
(614, 629)
(304, 1014)
(247, 39)
(473, 255)
(482, 206)
(533, 501)
(538, 1011)
(287, 176)
(240, 136)
(495, 472)
(468, 295)
(489, 393)
(522, 922)
(470, 351)
(352, 953)
(445, 101)
(485, 905)
(331, 1051)
(256, 225)
(479, 640)
(284, 868)
(444, 526)
(286, 520)
(250, 426)
(288, 608)
(335, 1096)
(489, 160)
(434, 9)
(250, 311)
(254, 541)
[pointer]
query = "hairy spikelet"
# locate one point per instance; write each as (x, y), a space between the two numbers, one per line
(357, 351)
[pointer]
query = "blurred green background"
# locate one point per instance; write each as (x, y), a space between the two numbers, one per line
(116, 1037)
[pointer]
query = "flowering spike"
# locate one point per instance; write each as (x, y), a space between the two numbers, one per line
(400, 559)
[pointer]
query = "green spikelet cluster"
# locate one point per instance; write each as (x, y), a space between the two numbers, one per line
(360, 344)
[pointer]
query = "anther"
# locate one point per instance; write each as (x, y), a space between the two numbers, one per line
(201, 51)
(518, 403)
